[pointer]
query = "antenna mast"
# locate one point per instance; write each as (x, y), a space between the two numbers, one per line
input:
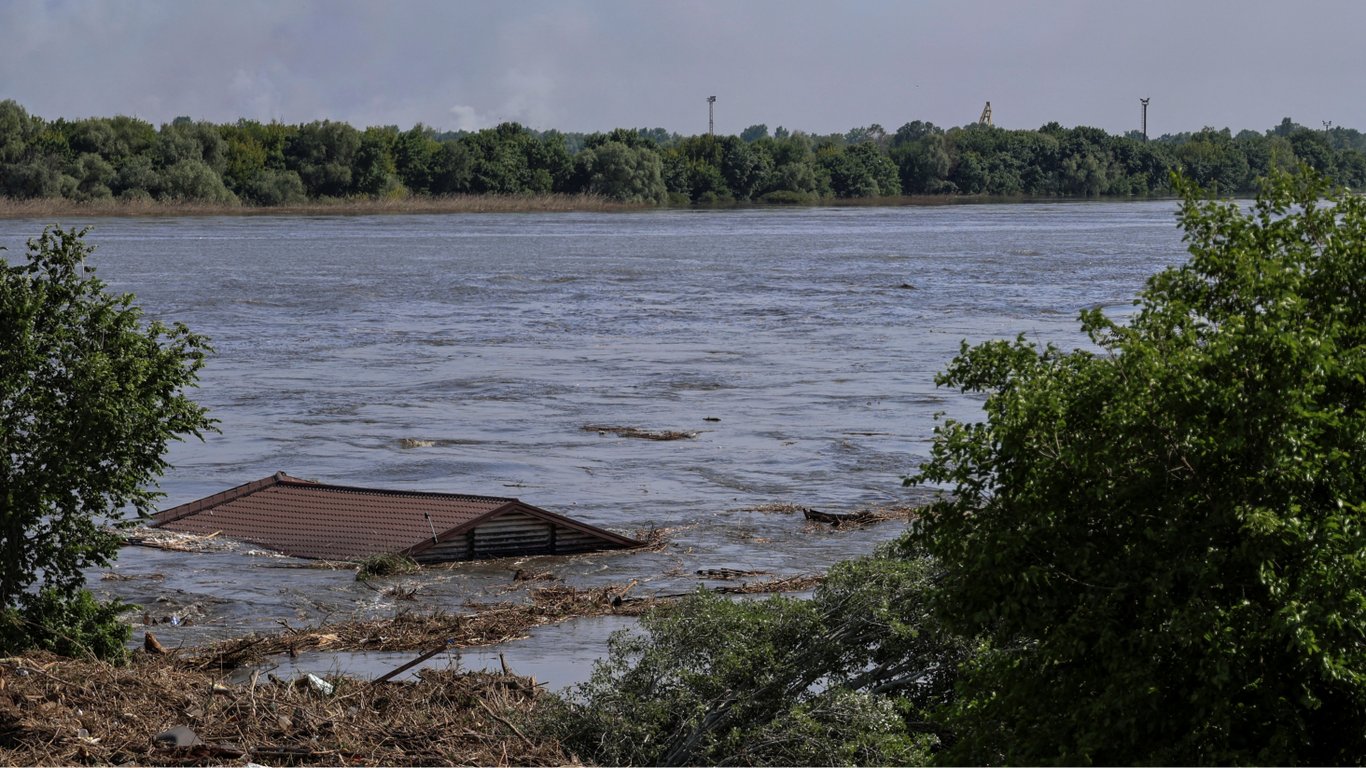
(985, 119)
(711, 125)
(1144, 102)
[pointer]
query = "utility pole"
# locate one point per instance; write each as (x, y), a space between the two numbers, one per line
(1145, 118)
(711, 124)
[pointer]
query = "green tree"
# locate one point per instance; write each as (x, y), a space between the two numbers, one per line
(860, 170)
(373, 171)
(1211, 159)
(622, 173)
(90, 396)
(451, 169)
(1162, 540)
(323, 153)
(846, 677)
(754, 133)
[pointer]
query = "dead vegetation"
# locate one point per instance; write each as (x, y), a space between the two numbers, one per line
(856, 518)
(798, 583)
(56, 711)
(45, 207)
(638, 433)
(160, 710)
(485, 624)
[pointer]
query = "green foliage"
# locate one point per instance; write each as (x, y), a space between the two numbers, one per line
(323, 154)
(276, 164)
(385, 564)
(620, 172)
(1162, 540)
(90, 395)
(843, 678)
(77, 625)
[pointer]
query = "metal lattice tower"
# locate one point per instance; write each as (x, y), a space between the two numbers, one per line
(1144, 102)
(711, 124)
(985, 119)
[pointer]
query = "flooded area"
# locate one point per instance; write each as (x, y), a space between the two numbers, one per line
(466, 354)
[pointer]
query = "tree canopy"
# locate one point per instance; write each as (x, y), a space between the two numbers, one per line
(90, 395)
(1162, 538)
(250, 163)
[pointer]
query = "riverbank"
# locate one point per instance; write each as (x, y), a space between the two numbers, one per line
(221, 704)
(40, 208)
(48, 207)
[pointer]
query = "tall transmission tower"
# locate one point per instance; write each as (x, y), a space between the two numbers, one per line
(985, 119)
(711, 123)
(1144, 102)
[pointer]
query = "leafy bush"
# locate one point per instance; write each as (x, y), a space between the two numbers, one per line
(843, 678)
(1163, 540)
(92, 394)
(78, 626)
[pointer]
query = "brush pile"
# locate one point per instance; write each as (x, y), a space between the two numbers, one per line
(159, 710)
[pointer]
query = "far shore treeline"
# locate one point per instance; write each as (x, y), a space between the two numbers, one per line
(250, 163)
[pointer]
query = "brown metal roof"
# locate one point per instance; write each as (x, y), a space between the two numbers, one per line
(307, 519)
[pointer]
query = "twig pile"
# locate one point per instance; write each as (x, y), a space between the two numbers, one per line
(67, 712)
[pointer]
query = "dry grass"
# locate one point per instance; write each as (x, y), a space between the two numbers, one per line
(49, 207)
(56, 711)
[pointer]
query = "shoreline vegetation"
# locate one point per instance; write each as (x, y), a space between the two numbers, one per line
(39, 208)
(126, 166)
(11, 208)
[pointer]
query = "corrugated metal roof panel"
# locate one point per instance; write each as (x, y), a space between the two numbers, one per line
(332, 522)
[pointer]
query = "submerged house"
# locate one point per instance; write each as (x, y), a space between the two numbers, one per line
(314, 520)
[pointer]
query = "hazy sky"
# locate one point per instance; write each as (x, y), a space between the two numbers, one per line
(586, 65)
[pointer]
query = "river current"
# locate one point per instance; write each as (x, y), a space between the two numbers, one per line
(466, 353)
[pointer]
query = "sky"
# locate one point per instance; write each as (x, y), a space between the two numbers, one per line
(594, 65)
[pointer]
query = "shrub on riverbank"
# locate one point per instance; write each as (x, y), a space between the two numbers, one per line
(1150, 553)
(1164, 541)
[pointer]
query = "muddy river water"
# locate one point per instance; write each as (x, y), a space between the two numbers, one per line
(465, 353)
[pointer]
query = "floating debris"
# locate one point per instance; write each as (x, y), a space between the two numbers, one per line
(412, 442)
(180, 541)
(487, 624)
(636, 432)
(799, 583)
(853, 519)
(726, 574)
(861, 517)
(775, 508)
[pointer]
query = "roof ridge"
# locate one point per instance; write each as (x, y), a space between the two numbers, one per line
(287, 480)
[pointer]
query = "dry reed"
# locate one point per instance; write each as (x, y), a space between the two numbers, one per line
(50, 207)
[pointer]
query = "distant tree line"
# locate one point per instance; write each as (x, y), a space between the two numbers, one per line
(267, 164)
